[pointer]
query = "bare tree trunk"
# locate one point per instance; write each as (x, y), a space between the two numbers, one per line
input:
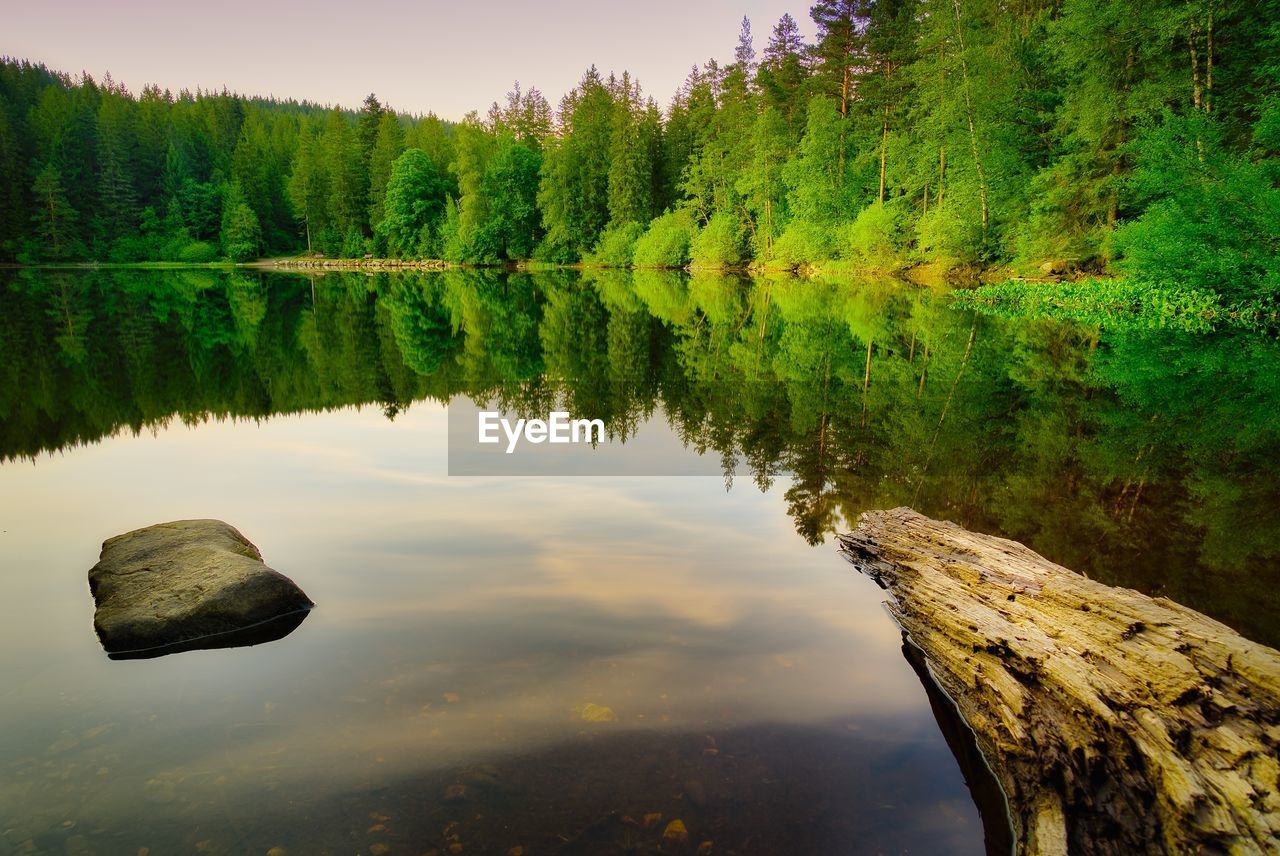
(1114, 722)
(968, 110)
(768, 226)
(884, 134)
(946, 405)
(1208, 76)
(924, 370)
(942, 172)
(1195, 64)
(866, 383)
(942, 108)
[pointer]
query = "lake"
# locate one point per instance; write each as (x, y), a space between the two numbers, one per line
(568, 663)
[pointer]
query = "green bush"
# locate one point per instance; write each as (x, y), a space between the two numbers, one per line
(803, 242)
(945, 236)
(617, 246)
(197, 253)
(1213, 220)
(721, 243)
(875, 238)
(667, 243)
(353, 245)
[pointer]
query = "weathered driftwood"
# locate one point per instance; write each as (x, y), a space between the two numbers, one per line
(1115, 722)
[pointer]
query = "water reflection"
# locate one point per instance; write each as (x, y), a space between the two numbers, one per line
(758, 692)
(1147, 459)
(465, 623)
(258, 634)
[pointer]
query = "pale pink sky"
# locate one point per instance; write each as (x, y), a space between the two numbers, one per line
(417, 56)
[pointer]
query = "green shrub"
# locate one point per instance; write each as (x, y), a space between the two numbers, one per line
(946, 236)
(667, 243)
(353, 245)
(803, 242)
(875, 238)
(721, 243)
(617, 246)
(197, 253)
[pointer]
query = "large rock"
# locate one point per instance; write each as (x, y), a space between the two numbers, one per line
(189, 584)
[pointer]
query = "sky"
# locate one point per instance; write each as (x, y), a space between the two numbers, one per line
(422, 56)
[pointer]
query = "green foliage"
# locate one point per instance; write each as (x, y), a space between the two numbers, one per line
(1141, 457)
(1117, 304)
(617, 246)
(875, 239)
(241, 235)
(668, 242)
(197, 252)
(965, 133)
(1213, 221)
(720, 243)
(53, 216)
(354, 245)
(414, 199)
(947, 235)
(803, 242)
(510, 189)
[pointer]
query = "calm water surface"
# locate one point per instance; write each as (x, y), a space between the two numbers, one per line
(438, 695)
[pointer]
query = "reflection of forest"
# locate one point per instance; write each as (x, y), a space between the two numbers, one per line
(1147, 459)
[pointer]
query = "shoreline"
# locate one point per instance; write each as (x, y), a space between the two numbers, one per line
(923, 273)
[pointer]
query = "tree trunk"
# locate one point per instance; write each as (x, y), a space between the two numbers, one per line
(1114, 722)
(1195, 65)
(968, 111)
(942, 172)
(884, 134)
(1208, 69)
(866, 383)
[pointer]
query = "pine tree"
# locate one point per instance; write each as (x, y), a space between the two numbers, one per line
(630, 183)
(744, 55)
(782, 73)
(309, 187)
(53, 216)
(348, 190)
(241, 235)
(386, 148)
(118, 204)
(839, 48)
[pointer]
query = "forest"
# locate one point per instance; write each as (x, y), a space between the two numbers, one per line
(1134, 137)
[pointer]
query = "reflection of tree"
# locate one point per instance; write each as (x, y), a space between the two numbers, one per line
(420, 323)
(1141, 458)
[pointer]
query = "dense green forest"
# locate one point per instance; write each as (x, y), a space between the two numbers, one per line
(1138, 136)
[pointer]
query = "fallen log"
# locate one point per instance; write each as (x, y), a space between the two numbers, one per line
(1113, 721)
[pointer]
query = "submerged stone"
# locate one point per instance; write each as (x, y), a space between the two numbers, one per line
(186, 585)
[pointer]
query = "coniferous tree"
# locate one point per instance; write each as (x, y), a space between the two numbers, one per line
(241, 233)
(387, 146)
(54, 218)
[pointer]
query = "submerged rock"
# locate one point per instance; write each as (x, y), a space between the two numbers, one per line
(185, 585)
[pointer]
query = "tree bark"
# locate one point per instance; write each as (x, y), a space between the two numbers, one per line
(884, 134)
(1114, 722)
(1195, 65)
(968, 111)
(1208, 68)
